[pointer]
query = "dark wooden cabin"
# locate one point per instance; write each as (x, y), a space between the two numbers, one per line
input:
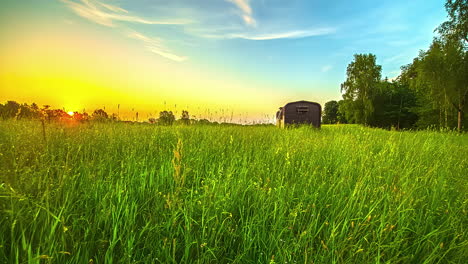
(300, 112)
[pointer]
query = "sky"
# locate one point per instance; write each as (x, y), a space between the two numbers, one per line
(221, 59)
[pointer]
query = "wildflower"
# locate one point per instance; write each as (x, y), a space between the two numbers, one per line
(324, 245)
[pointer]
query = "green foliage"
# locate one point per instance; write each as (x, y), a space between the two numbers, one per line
(394, 106)
(440, 80)
(341, 112)
(363, 77)
(14, 110)
(10, 109)
(334, 113)
(166, 118)
(330, 113)
(184, 117)
(430, 92)
(100, 115)
(122, 193)
(439, 75)
(457, 25)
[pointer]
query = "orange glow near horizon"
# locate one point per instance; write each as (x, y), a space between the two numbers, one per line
(98, 79)
(80, 68)
(246, 60)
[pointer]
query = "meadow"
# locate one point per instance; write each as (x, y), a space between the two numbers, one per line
(135, 193)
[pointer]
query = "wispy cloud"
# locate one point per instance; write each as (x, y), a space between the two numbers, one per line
(107, 15)
(154, 45)
(326, 68)
(245, 11)
(114, 8)
(284, 35)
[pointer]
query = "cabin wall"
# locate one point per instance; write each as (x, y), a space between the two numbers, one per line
(302, 113)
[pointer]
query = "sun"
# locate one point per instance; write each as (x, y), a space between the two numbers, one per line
(71, 113)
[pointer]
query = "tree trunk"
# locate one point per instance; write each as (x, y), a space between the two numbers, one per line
(446, 112)
(460, 116)
(399, 112)
(440, 116)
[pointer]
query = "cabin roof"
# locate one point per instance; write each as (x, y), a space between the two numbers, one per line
(302, 102)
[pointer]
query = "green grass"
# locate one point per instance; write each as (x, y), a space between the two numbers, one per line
(122, 193)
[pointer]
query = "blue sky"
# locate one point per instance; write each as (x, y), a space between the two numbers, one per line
(294, 49)
(294, 38)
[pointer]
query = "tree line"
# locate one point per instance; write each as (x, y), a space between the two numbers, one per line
(15, 110)
(430, 92)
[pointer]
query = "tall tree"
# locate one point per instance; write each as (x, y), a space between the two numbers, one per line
(166, 118)
(444, 69)
(185, 117)
(394, 103)
(454, 33)
(363, 76)
(341, 112)
(330, 113)
(10, 109)
(100, 115)
(457, 25)
(429, 111)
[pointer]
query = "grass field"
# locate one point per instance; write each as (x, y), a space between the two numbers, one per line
(123, 193)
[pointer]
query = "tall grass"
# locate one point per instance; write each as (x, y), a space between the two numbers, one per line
(122, 193)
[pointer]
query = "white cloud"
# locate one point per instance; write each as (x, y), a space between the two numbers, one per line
(154, 45)
(284, 35)
(243, 5)
(246, 11)
(114, 8)
(105, 14)
(166, 54)
(115, 16)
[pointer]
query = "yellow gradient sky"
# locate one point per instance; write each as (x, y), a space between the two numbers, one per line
(219, 58)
